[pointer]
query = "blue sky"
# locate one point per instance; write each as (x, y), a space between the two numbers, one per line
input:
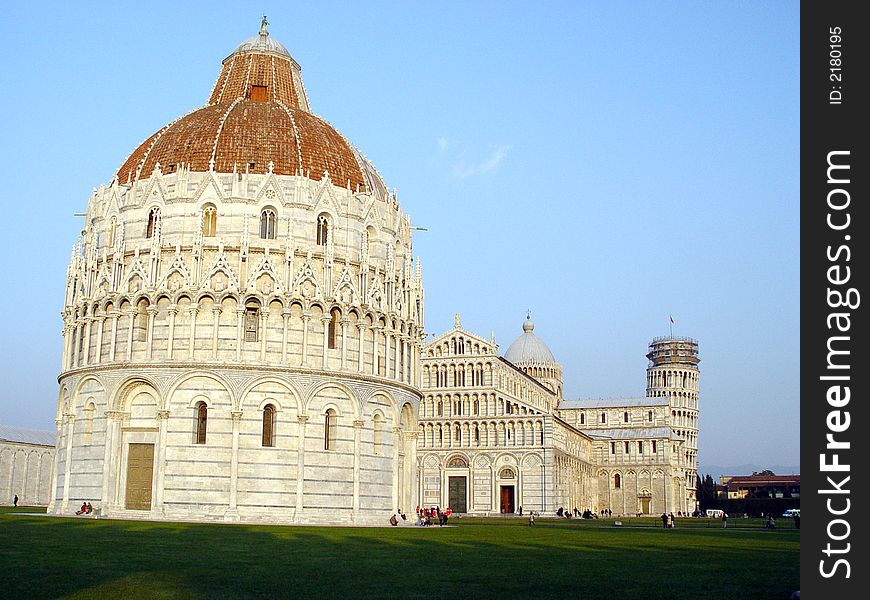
(603, 164)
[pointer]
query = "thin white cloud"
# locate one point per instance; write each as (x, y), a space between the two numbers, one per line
(443, 144)
(491, 163)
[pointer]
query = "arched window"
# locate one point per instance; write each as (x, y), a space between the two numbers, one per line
(649, 416)
(252, 321)
(201, 421)
(112, 232)
(332, 330)
(583, 418)
(617, 481)
(378, 434)
(322, 230)
(209, 220)
(476, 407)
(604, 417)
(269, 426)
(654, 446)
(625, 417)
(329, 423)
(153, 222)
(141, 324)
(440, 408)
(268, 224)
(90, 409)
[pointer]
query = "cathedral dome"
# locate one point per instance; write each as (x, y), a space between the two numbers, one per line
(257, 120)
(529, 348)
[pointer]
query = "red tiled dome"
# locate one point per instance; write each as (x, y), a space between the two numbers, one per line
(257, 114)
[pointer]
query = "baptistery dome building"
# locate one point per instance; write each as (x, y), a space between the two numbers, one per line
(243, 320)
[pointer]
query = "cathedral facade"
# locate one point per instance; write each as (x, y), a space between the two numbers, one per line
(495, 433)
(243, 340)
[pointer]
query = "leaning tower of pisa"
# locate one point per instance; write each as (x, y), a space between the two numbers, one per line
(673, 373)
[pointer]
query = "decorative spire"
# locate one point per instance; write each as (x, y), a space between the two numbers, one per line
(263, 31)
(457, 320)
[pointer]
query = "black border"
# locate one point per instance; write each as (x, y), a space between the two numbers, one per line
(826, 127)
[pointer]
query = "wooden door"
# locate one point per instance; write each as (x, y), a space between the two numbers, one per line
(644, 504)
(507, 498)
(140, 473)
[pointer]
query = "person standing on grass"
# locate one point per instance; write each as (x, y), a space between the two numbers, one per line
(664, 520)
(724, 520)
(671, 520)
(797, 521)
(532, 519)
(15, 501)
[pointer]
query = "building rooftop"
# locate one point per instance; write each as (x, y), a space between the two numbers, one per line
(631, 433)
(27, 436)
(612, 402)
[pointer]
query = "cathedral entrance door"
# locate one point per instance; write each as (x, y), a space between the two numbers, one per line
(507, 499)
(457, 498)
(140, 472)
(644, 504)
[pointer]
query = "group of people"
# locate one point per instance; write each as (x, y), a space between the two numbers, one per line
(668, 520)
(86, 509)
(586, 514)
(429, 516)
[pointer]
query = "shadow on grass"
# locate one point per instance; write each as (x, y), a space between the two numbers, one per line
(49, 557)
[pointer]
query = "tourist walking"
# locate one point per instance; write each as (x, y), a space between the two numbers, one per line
(531, 519)
(15, 500)
(664, 520)
(724, 520)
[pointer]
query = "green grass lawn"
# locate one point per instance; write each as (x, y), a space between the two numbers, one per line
(482, 558)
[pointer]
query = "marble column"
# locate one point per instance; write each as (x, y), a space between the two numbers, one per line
(240, 329)
(58, 424)
(344, 323)
(112, 418)
(305, 318)
(86, 344)
(360, 355)
(286, 314)
(173, 311)
(300, 466)
(131, 315)
(152, 314)
(232, 513)
(70, 432)
(397, 443)
(98, 355)
(215, 330)
(157, 509)
(115, 315)
(324, 320)
(357, 452)
(193, 311)
(264, 332)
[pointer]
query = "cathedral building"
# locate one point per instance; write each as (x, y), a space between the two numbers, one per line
(496, 434)
(244, 340)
